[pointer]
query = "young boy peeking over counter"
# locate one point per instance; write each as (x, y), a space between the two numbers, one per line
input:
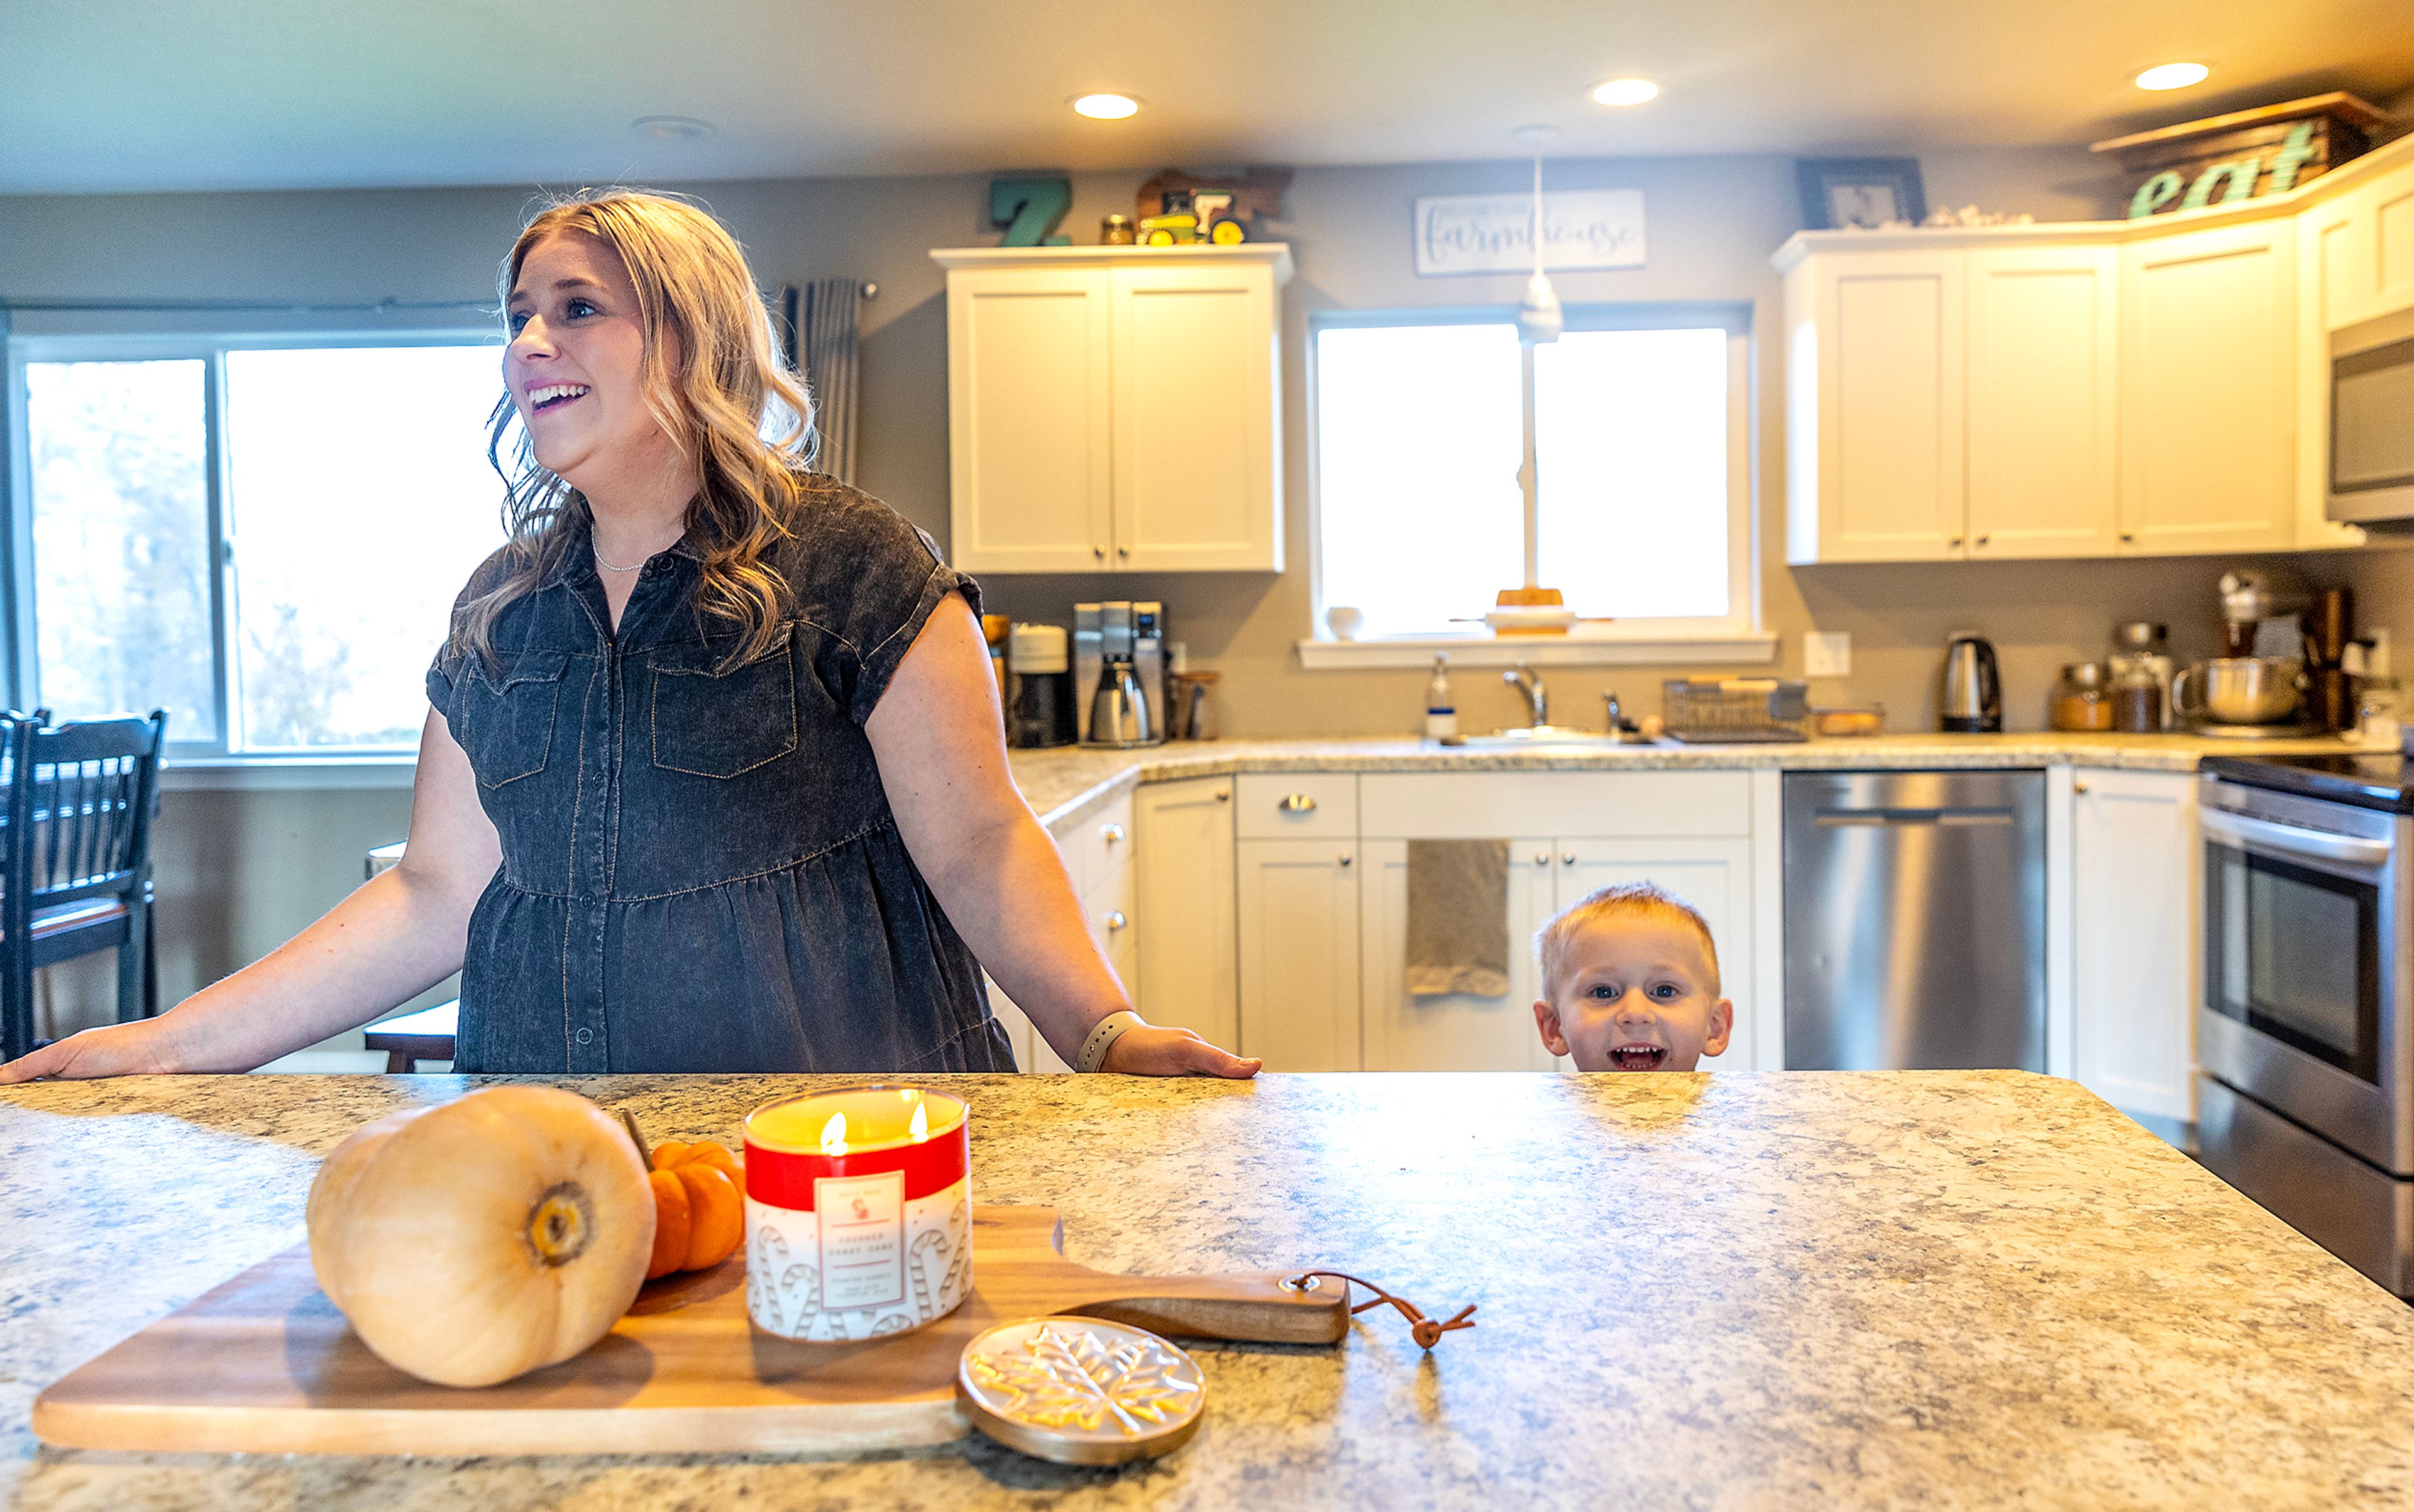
(1631, 983)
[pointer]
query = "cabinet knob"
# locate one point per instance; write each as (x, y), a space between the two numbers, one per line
(2077, 787)
(1223, 795)
(1541, 858)
(1116, 920)
(1954, 543)
(1982, 540)
(1099, 552)
(1296, 803)
(1346, 857)
(1123, 551)
(1112, 833)
(2128, 537)
(1567, 859)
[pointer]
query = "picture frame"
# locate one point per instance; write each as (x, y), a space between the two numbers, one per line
(1867, 193)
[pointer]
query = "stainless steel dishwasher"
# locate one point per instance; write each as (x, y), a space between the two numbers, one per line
(1915, 920)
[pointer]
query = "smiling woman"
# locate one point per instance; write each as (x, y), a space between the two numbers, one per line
(714, 776)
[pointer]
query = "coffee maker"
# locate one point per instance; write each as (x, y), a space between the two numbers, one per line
(1119, 668)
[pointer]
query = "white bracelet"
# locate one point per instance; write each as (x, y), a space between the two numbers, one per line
(1102, 1038)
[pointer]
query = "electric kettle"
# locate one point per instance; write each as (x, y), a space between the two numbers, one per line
(1973, 694)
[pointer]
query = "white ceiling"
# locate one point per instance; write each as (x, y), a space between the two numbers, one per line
(235, 93)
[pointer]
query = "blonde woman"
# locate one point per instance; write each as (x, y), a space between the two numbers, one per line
(714, 777)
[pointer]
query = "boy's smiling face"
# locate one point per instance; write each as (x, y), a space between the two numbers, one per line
(1636, 996)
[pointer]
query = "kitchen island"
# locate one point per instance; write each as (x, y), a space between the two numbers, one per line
(1816, 1290)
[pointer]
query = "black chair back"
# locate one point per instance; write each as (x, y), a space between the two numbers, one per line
(80, 798)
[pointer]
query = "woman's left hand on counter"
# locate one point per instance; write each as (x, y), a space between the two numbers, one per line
(1152, 1050)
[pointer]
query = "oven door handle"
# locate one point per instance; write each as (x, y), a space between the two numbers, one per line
(2288, 839)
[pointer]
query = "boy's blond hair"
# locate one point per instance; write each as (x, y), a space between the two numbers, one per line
(1622, 900)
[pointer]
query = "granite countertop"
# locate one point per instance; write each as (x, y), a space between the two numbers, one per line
(1955, 1289)
(1068, 782)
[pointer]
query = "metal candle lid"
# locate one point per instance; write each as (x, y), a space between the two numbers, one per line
(1080, 1391)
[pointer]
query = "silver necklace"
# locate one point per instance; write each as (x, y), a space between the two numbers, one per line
(609, 567)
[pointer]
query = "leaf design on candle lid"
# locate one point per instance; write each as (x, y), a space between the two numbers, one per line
(1062, 1378)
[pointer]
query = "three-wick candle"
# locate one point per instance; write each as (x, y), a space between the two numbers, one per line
(858, 1212)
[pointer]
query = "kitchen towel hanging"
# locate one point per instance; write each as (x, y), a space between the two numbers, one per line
(827, 333)
(1458, 918)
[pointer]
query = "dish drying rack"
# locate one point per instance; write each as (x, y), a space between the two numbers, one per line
(1735, 711)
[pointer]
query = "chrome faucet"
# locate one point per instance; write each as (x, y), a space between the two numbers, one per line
(1538, 698)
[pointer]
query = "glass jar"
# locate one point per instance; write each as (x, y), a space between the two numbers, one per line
(2083, 700)
(2143, 644)
(2136, 699)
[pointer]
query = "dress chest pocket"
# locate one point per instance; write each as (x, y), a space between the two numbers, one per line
(711, 720)
(507, 718)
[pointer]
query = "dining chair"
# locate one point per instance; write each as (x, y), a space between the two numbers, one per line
(75, 868)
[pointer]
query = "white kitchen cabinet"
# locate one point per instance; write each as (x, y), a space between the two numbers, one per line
(1452, 1031)
(1298, 938)
(1875, 423)
(1114, 408)
(2207, 390)
(1030, 441)
(2044, 345)
(2134, 937)
(1188, 960)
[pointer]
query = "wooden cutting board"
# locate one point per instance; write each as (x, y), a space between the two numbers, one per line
(265, 1363)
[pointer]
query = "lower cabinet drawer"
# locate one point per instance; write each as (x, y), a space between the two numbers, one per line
(1276, 805)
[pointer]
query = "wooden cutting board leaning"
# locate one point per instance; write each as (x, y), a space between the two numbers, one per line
(264, 1363)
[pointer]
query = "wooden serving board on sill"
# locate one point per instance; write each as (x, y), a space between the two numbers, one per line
(264, 1363)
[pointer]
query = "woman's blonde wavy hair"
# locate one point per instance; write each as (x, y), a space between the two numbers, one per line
(720, 391)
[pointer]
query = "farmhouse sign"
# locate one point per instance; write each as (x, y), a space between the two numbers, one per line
(1494, 233)
(2244, 155)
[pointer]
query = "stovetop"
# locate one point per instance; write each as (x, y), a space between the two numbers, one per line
(2375, 780)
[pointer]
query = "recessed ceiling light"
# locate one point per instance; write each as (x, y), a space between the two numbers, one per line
(1625, 92)
(1106, 107)
(672, 127)
(2172, 76)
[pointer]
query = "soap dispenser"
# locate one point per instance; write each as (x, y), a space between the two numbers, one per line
(1441, 714)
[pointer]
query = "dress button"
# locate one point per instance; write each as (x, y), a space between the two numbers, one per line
(584, 1035)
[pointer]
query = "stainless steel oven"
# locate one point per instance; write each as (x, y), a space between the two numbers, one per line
(2302, 1033)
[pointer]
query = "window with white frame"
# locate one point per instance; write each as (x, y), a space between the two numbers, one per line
(1642, 492)
(263, 538)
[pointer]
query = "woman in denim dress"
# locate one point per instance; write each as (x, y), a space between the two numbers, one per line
(714, 777)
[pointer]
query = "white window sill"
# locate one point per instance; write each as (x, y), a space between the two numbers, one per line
(203, 775)
(1540, 651)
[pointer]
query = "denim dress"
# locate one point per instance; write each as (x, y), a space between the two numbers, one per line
(700, 871)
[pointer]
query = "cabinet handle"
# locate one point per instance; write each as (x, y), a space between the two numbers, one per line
(1567, 859)
(1541, 858)
(2129, 538)
(1346, 857)
(1116, 920)
(2077, 787)
(1223, 795)
(1112, 833)
(1954, 543)
(1099, 552)
(1982, 540)
(1296, 803)
(1123, 551)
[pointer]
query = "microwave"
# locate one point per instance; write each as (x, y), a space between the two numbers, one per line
(2371, 420)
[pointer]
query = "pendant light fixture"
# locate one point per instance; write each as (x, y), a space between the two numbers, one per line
(1533, 609)
(1538, 318)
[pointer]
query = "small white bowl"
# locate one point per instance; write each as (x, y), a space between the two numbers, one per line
(1343, 621)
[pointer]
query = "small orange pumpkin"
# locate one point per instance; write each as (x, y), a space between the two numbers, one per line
(699, 1206)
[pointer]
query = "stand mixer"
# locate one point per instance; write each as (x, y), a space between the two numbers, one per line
(2240, 693)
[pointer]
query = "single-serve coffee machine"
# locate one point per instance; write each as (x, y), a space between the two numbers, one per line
(1119, 672)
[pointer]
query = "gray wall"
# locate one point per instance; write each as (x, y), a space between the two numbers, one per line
(242, 871)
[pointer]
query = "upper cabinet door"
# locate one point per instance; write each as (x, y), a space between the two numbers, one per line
(1029, 357)
(2044, 349)
(1196, 454)
(1886, 423)
(2208, 383)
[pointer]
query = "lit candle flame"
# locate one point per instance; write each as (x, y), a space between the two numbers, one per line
(834, 1135)
(921, 1129)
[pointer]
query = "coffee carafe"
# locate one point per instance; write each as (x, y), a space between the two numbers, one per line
(1122, 712)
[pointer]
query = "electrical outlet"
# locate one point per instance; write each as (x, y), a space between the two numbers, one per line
(1827, 653)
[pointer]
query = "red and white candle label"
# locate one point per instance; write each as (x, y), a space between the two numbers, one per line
(861, 1224)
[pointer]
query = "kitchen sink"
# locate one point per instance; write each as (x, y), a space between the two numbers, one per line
(1535, 736)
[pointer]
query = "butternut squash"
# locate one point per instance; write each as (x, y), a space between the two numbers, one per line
(484, 1238)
